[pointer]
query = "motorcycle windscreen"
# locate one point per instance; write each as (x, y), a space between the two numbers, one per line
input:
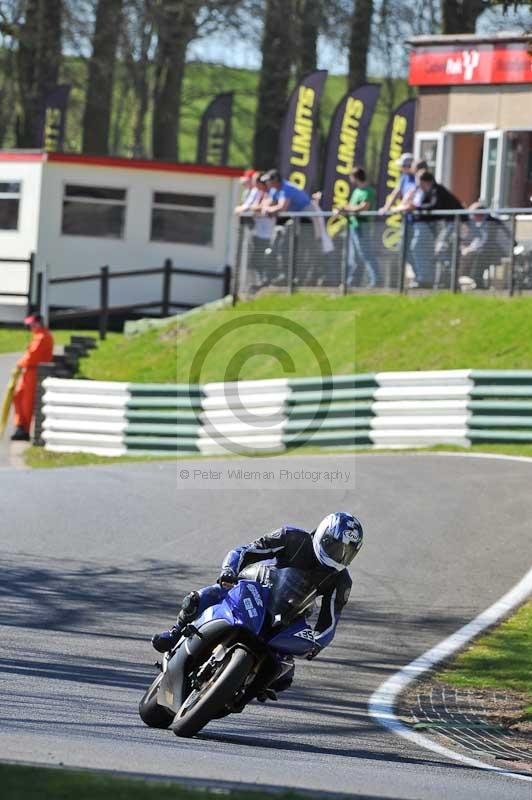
(292, 592)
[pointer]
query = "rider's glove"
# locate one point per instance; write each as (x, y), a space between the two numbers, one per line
(316, 650)
(228, 577)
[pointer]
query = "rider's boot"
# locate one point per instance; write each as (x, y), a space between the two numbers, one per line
(165, 641)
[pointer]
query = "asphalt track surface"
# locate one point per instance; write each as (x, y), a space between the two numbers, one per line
(93, 560)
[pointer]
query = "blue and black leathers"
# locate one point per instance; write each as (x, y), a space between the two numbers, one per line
(286, 547)
(292, 547)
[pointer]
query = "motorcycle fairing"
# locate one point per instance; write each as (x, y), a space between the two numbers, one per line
(297, 639)
(244, 604)
(171, 691)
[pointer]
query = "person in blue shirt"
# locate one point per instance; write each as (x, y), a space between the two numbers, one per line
(283, 195)
(406, 183)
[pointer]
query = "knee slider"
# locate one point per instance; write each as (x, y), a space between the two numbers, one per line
(189, 607)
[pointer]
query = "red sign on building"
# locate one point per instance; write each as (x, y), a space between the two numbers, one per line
(481, 64)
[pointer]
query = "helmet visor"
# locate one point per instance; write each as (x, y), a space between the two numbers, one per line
(338, 550)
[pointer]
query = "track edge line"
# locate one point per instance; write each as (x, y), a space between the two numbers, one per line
(382, 701)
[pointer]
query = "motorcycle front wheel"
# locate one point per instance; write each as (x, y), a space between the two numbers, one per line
(151, 713)
(209, 700)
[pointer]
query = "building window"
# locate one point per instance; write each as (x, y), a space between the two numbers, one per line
(94, 211)
(182, 218)
(9, 205)
(428, 151)
(517, 181)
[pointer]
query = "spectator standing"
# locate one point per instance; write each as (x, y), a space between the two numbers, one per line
(261, 226)
(361, 229)
(434, 197)
(263, 232)
(250, 191)
(406, 183)
(40, 351)
(284, 196)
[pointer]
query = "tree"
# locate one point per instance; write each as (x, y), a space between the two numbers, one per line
(10, 18)
(97, 114)
(138, 34)
(461, 17)
(38, 60)
(278, 55)
(176, 25)
(359, 42)
(309, 16)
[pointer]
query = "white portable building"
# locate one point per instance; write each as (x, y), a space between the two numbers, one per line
(78, 213)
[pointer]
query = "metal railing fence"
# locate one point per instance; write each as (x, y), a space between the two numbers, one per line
(459, 250)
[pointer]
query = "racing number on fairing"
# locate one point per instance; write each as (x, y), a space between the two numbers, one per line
(306, 633)
(250, 608)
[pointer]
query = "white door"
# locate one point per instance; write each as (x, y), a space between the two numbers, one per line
(492, 158)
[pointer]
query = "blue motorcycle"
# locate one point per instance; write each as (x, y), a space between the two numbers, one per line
(234, 651)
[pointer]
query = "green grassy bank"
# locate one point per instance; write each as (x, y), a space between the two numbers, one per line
(359, 333)
(38, 783)
(498, 660)
(15, 340)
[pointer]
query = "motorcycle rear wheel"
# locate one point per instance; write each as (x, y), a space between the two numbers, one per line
(151, 713)
(211, 698)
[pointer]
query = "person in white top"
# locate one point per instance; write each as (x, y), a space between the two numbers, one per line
(262, 226)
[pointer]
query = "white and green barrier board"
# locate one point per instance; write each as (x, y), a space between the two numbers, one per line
(385, 409)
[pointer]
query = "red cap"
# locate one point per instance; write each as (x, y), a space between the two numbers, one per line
(249, 173)
(32, 318)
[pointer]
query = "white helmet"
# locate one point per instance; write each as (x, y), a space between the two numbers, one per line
(337, 540)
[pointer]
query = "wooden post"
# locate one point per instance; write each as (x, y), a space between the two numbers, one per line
(38, 299)
(31, 276)
(167, 280)
(226, 287)
(104, 301)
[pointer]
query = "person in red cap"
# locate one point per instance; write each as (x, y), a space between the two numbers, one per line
(40, 351)
(249, 185)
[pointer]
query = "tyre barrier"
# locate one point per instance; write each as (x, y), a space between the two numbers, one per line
(386, 409)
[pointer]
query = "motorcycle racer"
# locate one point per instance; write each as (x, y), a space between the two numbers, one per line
(325, 553)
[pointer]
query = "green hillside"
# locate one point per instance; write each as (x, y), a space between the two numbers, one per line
(356, 333)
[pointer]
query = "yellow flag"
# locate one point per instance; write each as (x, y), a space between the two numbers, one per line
(8, 398)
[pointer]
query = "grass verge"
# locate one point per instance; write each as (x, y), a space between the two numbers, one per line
(15, 340)
(358, 333)
(498, 660)
(39, 458)
(50, 783)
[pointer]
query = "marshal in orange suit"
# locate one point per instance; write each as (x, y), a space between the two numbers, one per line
(40, 351)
